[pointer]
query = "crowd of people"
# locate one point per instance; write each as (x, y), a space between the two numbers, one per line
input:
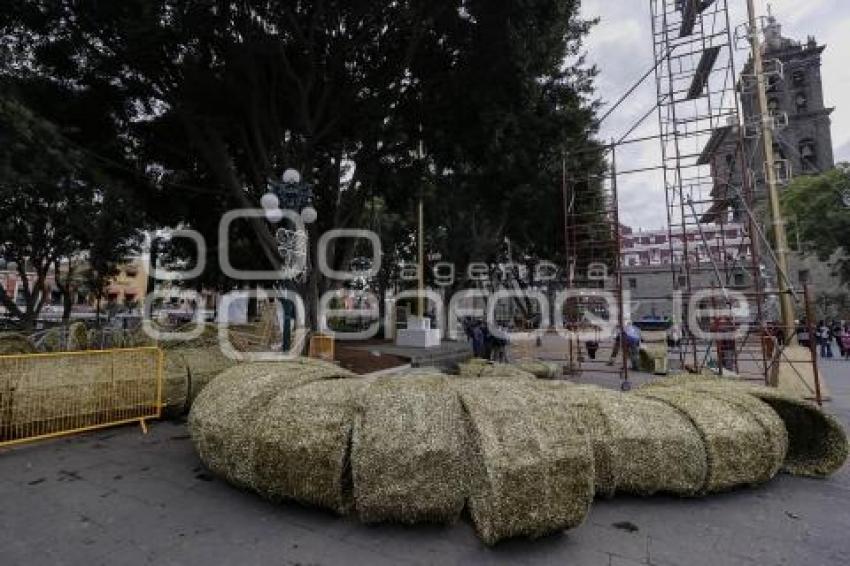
(833, 333)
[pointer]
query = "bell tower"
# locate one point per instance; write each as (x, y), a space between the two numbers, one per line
(795, 94)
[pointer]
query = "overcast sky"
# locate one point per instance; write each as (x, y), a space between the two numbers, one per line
(621, 46)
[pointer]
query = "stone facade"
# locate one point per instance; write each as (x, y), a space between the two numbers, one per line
(652, 289)
(796, 98)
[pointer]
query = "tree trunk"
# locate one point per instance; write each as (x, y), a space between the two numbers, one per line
(67, 306)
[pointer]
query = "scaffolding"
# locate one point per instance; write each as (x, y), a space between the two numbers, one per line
(715, 250)
(724, 310)
(592, 241)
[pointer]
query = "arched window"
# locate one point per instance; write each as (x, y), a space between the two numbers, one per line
(802, 102)
(809, 155)
(798, 78)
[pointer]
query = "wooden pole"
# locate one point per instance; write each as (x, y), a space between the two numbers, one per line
(780, 236)
(421, 270)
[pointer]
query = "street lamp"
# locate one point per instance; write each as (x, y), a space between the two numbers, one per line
(290, 193)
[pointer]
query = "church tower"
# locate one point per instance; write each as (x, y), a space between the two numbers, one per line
(795, 97)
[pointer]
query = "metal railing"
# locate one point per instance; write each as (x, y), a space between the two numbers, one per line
(49, 395)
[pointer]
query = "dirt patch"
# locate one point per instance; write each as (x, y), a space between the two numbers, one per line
(362, 360)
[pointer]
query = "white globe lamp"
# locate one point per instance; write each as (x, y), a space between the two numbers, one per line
(309, 215)
(269, 201)
(274, 215)
(291, 177)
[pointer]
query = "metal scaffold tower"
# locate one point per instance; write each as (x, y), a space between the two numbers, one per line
(592, 238)
(714, 247)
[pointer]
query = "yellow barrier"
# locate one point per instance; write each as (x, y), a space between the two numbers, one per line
(49, 395)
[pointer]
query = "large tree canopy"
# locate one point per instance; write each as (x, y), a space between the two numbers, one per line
(467, 103)
(820, 208)
(53, 206)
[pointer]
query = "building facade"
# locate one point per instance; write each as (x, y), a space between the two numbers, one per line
(655, 248)
(653, 265)
(795, 98)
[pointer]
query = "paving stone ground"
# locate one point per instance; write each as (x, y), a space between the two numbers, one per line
(117, 497)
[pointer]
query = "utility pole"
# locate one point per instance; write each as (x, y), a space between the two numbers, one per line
(421, 233)
(780, 236)
(421, 246)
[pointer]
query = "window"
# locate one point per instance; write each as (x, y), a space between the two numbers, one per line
(632, 284)
(773, 106)
(798, 78)
(740, 280)
(809, 155)
(660, 239)
(772, 83)
(802, 102)
(804, 276)
(683, 281)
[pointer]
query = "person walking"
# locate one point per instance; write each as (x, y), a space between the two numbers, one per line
(629, 339)
(824, 337)
(845, 342)
(837, 330)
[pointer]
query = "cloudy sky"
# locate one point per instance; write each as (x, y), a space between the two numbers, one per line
(621, 46)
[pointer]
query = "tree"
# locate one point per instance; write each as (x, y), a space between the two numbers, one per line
(819, 207)
(208, 100)
(505, 98)
(40, 201)
(59, 209)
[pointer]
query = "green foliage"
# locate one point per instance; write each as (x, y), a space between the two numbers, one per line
(818, 216)
(56, 204)
(197, 104)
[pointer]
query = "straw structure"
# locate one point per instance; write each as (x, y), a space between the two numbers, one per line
(409, 452)
(533, 464)
(303, 444)
(224, 416)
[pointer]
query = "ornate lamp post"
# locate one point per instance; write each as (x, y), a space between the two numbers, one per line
(290, 193)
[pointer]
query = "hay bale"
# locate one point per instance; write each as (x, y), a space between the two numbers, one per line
(13, 343)
(78, 337)
(584, 404)
(175, 384)
(684, 379)
(409, 451)
(745, 441)
(477, 369)
(533, 464)
(655, 448)
(653, 358)
(207, 339)
(186, 372)
(53, 340)
(538, 368)
(817, 442)
(303, 444)
(224, 416)
(204, 365)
